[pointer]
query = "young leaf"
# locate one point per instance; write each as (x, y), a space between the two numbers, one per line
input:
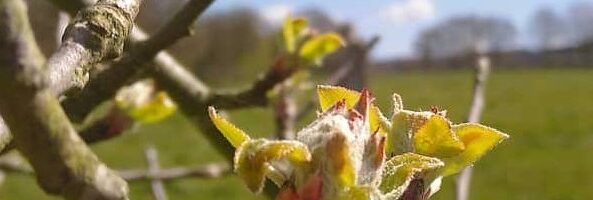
(158, 108)
(436, 139)
(142, 103)
(315, 49)
(330, 95)
(398, 138)
(233, 134)
(339, 159)
(478, 140)
(291, 30)
(401, 169)
(252, 159)
(377, 121)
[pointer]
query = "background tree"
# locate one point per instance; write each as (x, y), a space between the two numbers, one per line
(460, 35)
(549, 30)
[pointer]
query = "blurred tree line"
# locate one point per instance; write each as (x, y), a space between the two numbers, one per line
(239, 43)
(550, 39)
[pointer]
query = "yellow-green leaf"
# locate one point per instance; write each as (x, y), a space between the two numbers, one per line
(340, 162)
(330, 95)
(252, 159)
(358, 193)
(291, 30)
(377, 121)
(478, 140)
(233, 134)
(316, 48)
(141, 102)
(401, 169)
(158, 108)
(435, 138)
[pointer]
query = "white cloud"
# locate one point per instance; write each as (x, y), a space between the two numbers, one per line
(407, 11)
(275, 14)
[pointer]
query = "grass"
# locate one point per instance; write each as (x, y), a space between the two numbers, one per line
(548, 114)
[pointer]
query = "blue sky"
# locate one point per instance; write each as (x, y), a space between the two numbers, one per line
(398, 21)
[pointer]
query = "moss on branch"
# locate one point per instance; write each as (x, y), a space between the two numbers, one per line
(63, 164)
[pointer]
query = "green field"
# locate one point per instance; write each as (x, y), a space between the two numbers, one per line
(548, 113)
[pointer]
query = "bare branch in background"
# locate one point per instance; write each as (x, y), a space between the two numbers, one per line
(64, 165)
(285, 114)
(204, 171)
(462, 186)
(11, 163)
(158, 189)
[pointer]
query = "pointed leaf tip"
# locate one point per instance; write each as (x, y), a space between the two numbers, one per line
(330, 95)
(234, 135)
(291, 30)
(478, 140)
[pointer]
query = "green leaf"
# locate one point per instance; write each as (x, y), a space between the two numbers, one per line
(291, 30)
(330, 95)
(400, 170)
(399, 138)
(478, 140)
(252, 159)
(436, 139)
(233, 134)
(315, 49)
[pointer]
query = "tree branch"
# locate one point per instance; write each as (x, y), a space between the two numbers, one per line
(213, 170)
(105, 84)
(482, 70)
(256, 95)
(95, 34)
(63, 164)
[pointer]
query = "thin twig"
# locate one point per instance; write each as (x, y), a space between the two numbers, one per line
(158, 189)
(214, 170)
(462, 186)
(285, 114)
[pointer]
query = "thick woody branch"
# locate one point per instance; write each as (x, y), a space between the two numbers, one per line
(104, 85)
(96, 33)
(63, 164)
